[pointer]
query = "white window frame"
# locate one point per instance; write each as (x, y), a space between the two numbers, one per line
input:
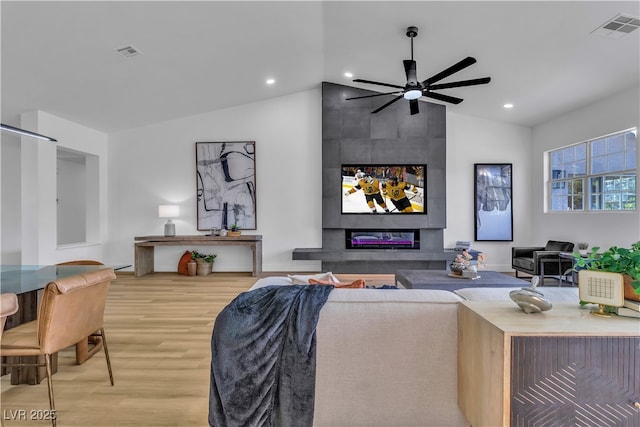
(579, 186)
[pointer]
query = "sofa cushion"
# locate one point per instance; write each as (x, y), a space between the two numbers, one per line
(303, 279)
(384, 296)
(387, 358)
(554, 245)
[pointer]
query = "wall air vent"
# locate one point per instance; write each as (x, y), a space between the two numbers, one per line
(617, 27)
(128, 51)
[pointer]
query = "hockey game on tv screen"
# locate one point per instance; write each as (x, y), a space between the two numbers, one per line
(383, 189)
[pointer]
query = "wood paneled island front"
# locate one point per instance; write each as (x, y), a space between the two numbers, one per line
(145, 248)
(562, 367)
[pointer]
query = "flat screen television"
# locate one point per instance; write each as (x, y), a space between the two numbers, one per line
(384, 189)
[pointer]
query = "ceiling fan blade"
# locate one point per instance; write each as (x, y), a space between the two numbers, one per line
(387, 104)
(377, 83)
(413, 106)
(410, 71)
(377, 94)
(440, 97)
(471, 82)
(453, 69)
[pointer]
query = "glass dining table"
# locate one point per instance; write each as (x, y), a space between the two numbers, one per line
(26, 281)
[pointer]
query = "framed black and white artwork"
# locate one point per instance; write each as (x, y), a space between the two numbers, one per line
(226, 185)
(493, 202)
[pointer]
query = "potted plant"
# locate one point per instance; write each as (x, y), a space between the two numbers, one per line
(616, 260)
(582, 248)
(204, 261)
(234, 230)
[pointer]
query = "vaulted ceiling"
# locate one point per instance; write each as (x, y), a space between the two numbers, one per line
(199, 56)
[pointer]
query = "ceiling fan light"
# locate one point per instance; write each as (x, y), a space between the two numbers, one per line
(412, 94)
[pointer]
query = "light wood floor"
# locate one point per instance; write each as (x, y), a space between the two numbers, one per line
(159, 332)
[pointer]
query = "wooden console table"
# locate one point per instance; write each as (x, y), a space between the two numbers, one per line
(560, 367)
(145, 246)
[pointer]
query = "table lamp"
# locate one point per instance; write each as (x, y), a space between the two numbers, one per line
(169, 211)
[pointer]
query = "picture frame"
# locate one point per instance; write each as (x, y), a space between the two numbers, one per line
(493, 209)
(226, 185)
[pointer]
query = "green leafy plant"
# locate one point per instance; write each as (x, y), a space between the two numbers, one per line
(234, 227)
(614, 260)
(209, 258)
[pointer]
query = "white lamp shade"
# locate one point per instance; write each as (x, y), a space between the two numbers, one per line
(168, 211)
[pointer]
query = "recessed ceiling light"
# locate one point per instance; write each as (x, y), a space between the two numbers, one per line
(348, 75)
(270, 81)
(508, 105)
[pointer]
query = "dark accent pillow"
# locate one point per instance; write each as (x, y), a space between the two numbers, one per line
(182, 264)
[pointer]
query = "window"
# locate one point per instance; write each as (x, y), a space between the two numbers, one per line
(596, 175)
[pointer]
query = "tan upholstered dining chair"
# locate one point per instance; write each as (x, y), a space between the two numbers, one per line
(87, 347)
(72, 308)
(8, 306)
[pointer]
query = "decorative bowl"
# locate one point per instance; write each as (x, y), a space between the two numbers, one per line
(530, 300)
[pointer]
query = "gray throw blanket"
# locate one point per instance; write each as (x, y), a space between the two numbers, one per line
(263, 357)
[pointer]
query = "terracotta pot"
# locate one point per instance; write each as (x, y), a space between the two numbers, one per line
(629, 291)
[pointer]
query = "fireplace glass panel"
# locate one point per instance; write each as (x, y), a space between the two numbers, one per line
(382, 239)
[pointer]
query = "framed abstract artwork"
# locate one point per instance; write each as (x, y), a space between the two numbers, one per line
(493, 197)
(226, 185)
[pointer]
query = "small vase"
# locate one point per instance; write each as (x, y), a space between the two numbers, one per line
(192, 268)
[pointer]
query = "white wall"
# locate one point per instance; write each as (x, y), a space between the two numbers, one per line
(29, 232)
(472, 140)
(156, 165)
(72, 201)
(615, 113)
(11, 223)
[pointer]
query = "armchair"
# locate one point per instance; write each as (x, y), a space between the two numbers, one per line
(530, 259)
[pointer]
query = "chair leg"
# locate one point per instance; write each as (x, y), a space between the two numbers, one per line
(106, 353)
(52, 405)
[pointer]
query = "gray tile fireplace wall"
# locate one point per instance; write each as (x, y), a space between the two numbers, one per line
(352, 135)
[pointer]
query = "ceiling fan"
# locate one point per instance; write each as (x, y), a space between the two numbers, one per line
(414, 89)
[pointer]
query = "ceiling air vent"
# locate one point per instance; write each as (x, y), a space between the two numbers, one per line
(617, 27)
(128, 51)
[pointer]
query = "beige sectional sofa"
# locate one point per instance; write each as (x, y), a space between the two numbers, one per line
(388, 357)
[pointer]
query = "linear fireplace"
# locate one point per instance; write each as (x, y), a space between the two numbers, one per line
(382, 238)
